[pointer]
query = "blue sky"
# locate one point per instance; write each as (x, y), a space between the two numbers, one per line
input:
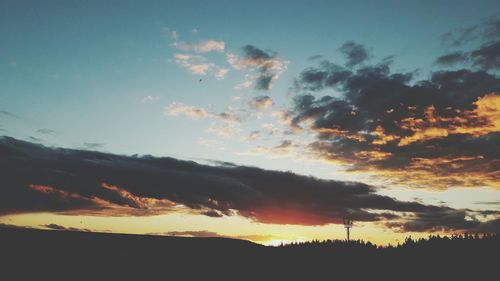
(94, 62)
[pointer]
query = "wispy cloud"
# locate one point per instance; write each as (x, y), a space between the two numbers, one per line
(45, 131)
(229, 119)
(201, 47)
(149, 98)
(93, 145)
(178, 109)
(254, 135)
(199, 65)
(193, 61)
(225, 131)
(281, 150)
(54, 226)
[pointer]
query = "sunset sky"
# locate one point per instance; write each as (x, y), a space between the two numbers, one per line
(269, 121)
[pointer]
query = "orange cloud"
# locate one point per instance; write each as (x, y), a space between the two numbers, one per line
(484, 119)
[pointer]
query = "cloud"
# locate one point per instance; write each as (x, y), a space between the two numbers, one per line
(198, 233)
(280, 150)
(488, 202)
(260, 102)
(253, 135)
(35, 139)
(230, 118)
(150, 98)
(5, 113)
(201, 47)
(445, 221)
(223, 131)
(211, 234)
(221, 73)
(487, 30)
(460, 36)
(198, 65)
(194, 63)
(265, 64)
(315, 57)
(451, 59)
(54, 226)
(486, 57)
(93, 145)
(41, 179)
(45, 131)
(492, 29)
(178, 109)
(355, 53)
(426, 133)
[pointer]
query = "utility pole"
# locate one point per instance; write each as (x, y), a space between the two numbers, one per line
(348, 226)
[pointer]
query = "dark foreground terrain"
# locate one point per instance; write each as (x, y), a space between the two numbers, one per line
(67, 255)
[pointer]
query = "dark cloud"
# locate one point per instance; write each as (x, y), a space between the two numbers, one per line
(284, 144)
(487, 30)
(268, 67)
(255, 54)
(13, 226)
(253, 135)
(8, 114)
(487, 56)
(198, 233)
(315, 57)
(488, 202)
(426, 132)
(452, 58)
(442, 220)
(93, 145)
(492, 29)
(35, 139)
(492, 226)
(446, 221)
(60, 227)
(265, 62)
(42, 179)
(213, 214)
(210, 234)
(460, 36)
(355, 53)
(45, 131)
(260, 102)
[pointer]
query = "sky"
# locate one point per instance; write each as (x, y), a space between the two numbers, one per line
(263, 120)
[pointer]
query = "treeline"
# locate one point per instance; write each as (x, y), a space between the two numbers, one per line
(458, 240)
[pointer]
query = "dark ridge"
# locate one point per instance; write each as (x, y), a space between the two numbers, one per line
(42, 254)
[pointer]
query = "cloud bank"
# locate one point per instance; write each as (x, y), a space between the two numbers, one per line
(42, 179)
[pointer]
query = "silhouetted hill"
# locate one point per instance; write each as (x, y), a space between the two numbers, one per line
(99, 256)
